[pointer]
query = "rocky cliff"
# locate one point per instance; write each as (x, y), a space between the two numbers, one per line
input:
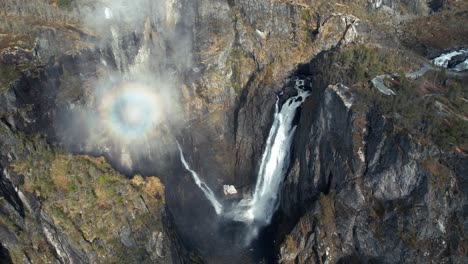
(369, 185)
(61, 208)
(373, 178)
(369, 192)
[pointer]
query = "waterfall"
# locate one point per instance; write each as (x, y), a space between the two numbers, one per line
(202, 185)
(258, 210)
(116, 48)
(275, 161)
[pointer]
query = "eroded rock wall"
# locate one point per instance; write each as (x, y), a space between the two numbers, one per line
(363, 190)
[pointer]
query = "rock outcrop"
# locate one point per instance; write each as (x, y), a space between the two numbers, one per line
(365, 191)
(59, 208)
(360, 188)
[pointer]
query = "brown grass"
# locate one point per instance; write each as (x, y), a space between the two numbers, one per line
(59, 175)
(150, 185)
(441, 31)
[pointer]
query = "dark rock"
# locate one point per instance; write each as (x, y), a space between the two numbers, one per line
(455, 60)
(360, 190)
(8, 192)
(5, 255)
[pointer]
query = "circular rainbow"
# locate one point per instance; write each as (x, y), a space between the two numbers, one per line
(129, 110)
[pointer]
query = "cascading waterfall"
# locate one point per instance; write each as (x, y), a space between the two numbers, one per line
(258, 210)
(202, 185)
(275, 161)
(115, 44)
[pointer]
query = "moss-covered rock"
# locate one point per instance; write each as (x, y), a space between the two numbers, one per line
(97, 214)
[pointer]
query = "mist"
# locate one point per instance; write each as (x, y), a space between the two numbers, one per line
(132, 108)
(132, 115)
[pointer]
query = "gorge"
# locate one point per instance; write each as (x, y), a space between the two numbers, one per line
(257, 211)
(251, 131)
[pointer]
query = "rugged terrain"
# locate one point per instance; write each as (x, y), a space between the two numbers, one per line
(374, 178)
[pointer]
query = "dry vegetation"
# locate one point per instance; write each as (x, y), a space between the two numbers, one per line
(22, 22)
(40, 10)
(85, 198)
(439, 31)
(416, 105)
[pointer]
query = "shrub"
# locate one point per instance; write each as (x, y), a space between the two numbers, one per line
(64, 4)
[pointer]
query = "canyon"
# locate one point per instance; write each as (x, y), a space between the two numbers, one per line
(227, 131)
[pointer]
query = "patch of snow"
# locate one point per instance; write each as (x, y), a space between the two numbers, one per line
(378, 83)
(444, 59)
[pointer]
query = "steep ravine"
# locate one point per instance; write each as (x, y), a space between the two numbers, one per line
(359, 188)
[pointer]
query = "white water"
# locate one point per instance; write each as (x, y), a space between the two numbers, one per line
(115, 47)
(444, 59)
(257, 211)
(275, 161)
(202, 185)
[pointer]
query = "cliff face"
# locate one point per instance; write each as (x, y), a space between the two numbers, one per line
(365, 186)
(244, 57)
(364, 190)
(361, 187)
(59, 208)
